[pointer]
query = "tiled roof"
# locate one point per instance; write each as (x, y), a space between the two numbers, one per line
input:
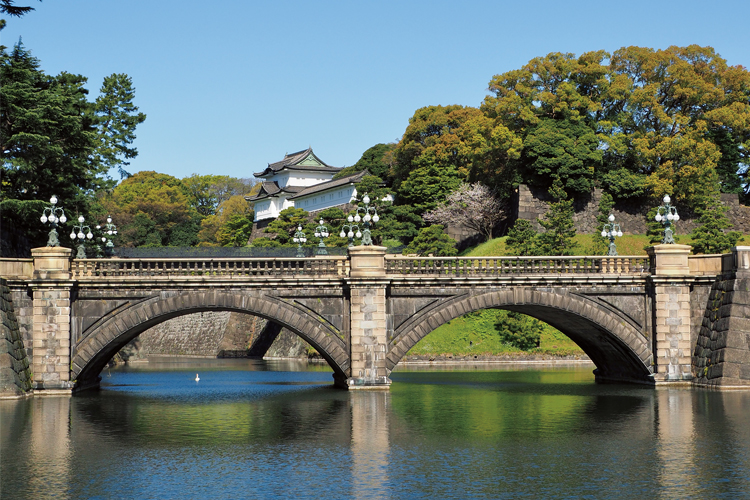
(292, 160)
(325, 186)
(268, 189)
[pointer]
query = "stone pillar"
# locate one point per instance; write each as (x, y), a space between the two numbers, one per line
(670, 283)
(368, 337)
(50, 360)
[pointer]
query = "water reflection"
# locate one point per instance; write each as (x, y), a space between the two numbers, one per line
(260, 433)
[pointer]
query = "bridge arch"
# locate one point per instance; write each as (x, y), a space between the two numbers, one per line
(105, 338)
(615, 344)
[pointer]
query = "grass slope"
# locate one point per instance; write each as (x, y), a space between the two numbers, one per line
(475, 334)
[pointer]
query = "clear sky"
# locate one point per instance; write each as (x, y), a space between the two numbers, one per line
(229, 86)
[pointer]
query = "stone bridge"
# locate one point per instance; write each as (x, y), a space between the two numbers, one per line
(666, 318)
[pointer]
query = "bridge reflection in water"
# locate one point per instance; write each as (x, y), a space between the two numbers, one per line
(468, 435)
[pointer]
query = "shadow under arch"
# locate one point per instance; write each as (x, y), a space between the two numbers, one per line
(614, 343)
(106, 337)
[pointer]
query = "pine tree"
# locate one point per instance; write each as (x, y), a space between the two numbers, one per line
(521, 238)
(558, 224)
(710, 237)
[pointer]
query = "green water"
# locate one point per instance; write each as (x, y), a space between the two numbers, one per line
(253, 429)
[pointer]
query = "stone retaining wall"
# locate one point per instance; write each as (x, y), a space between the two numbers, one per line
(15, 374)
(533, 203)
(211, 334)
(722, 353)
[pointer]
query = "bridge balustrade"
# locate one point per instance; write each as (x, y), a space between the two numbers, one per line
(498, 266)
(228, 267)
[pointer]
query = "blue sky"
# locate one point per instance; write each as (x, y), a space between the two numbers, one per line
(229, 86)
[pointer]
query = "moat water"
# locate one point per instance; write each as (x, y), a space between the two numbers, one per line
(252, 429)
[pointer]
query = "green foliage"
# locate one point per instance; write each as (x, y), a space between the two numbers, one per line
(521, 238)
(207, 192)
(655, 230)
(557, 239)
(520, 331)
(284, 227)
(377, 160)
(563, 149)
(117, 118)
(152, 209)
(20, 229)
(709, 237)
(236, 231)
(47, 133)
(432, 241)
(624, 183)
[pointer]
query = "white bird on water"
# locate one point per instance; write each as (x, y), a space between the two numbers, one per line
(197, 378)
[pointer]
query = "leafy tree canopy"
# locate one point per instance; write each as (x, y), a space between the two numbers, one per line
(710, 236)
(432, 241)
(152, 209)
(377, 160)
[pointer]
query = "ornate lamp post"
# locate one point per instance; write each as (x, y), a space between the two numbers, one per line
(111, 230)
(73, 235)
(321, 232)
(347, 231)
(299, 239)
(370, 214)
(670, 215)
(53, 215)
(611, 230)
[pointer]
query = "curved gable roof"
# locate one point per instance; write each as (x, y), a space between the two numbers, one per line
(301, 160)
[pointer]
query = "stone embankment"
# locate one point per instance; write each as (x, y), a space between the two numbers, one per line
(219, 334)
(15, 374)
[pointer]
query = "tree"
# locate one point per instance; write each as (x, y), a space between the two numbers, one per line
(521, 239)
(47, 134)
(377, 160)
(117, 118)
(557, 239)
(710, 236)
(9, 7)
(231, 225)
(432, 241)
(208, 192)
(519, 330)
(473, 206)
(152, 209)
(285, 225)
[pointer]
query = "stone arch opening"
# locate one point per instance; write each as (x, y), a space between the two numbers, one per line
(620, 351)
(112, 333)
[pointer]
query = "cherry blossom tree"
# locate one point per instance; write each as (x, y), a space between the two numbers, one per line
(473, 206)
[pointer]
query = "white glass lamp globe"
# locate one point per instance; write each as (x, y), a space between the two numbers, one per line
(317, 234)
(81, 235)
(296, 240)
(53, 200)
(321, 222)
(366, 200)
(109, 220)
(104, 239)
(89, 235)
(80, 219)
(357, 218)
(350, 218)
(43, 219)
(375, 218)
(676, 216)
(359, 234)
(350, 234)
(658, 217)
(611, 217)
(114, 232)
(367, 218)
(63, 219)
(670, 216)
(342, 234)
(109, 232)
(73, 235)
(667, 199)
(619, 234)
(604, 234)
